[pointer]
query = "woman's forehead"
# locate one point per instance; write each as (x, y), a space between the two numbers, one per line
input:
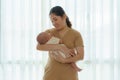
(53, 16)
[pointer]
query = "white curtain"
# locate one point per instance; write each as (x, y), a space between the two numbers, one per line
(97, 20)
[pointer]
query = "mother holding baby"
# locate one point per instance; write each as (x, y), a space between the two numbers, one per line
(58, 68)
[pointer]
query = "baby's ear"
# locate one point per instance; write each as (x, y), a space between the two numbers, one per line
(51, 34)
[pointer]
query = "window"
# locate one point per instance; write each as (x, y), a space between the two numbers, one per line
(97, 21)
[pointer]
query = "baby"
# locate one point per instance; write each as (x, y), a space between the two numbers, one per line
(47, 38)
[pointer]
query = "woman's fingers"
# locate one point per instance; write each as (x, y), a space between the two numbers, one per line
(72, 52)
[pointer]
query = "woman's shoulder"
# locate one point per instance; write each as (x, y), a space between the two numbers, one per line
(75, 32)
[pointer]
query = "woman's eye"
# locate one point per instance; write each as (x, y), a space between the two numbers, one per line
(55, 19)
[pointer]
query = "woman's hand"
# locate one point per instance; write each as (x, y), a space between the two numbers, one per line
(72, 52)
(58, 57)
(79, 55)
(76, 57)
(67, 51)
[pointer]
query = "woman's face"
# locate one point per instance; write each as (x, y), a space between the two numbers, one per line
(58, 21)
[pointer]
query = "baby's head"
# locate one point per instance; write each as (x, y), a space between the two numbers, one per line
(43, 37)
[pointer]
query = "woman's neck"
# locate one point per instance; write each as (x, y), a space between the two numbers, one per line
(63, 31)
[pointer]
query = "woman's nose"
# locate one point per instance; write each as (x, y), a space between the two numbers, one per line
(54, 23)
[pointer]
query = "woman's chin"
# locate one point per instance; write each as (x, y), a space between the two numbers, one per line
(57, 28)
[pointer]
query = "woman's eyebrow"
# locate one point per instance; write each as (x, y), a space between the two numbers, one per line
(54, 18)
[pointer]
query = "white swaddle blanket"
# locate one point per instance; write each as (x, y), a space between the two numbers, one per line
(55, 40)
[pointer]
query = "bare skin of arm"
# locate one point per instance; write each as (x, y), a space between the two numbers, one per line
(53, 47)
(48, 47)
(79, 56)
(75, 58)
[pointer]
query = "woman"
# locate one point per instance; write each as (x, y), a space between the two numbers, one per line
(59, 68)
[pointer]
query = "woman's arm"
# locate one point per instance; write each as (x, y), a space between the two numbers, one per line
(74, 58)
(48, 47)
(79, 56)
(53, 47)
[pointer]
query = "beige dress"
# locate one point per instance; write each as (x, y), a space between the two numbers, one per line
(55, 70)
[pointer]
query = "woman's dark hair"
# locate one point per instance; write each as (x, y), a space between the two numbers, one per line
(57, 10)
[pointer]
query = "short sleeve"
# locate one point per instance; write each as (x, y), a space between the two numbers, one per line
(79, 40)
